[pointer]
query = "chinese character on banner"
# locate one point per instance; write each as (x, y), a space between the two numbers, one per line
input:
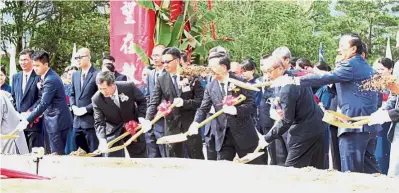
(127, 11)
(127, 46)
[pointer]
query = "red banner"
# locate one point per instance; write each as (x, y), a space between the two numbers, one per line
(130, 23)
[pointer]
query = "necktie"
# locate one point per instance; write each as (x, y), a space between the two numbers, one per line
(115, 99)
(24, 83)
(223, 91)
(175, 84)
(83, 79)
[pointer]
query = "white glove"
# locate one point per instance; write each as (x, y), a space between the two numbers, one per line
(25, 115)
(145, 124)
(212, 110)
(178, 102)
(284, 80)
(22, 125)
(262, 142)
(102, 146)
(379, 117)
(193, 129)
(79, 111)
(232, 110)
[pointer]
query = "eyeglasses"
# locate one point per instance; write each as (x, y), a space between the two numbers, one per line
(167, 62)
(80, 57)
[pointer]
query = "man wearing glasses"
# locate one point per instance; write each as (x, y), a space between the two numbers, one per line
(83, 88)
(187, 94)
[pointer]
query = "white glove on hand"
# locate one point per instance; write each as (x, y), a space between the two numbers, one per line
(232, 110)
(212, 110)
(262, 142)
(284, 80)
(379, 117)
(22, 125)
(178, 102)
(102, 146)
(193, 129)
(79, 111)
(145, 124)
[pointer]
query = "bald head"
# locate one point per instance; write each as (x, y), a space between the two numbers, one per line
(83, 58)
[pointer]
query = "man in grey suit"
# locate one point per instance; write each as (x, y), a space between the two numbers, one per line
(153, 149)
(115, 104)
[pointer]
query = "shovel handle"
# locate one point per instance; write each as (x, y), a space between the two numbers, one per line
(263, 84)
(362, 122)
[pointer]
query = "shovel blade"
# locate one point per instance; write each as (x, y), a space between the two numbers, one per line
(249, 157)
(172, 139)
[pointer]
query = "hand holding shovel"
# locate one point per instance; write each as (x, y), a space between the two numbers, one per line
(183, 136)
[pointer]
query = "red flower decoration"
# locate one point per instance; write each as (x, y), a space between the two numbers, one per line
(131, 127)
(163, 108)
(229, 100)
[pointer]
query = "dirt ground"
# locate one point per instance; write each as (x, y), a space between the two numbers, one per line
(116, 175)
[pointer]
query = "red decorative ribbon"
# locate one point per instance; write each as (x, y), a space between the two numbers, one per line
(163, 108)
(131, 127)
(229, 100)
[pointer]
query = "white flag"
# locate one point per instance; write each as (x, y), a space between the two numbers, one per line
(388, 53)
(73, 61)
(13, 64)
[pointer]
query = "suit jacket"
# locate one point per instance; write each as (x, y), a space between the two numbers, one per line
(151, 80)
(81, 97)
(393, 111)
(53, 105)
(165, 90)
(240, 125)
(26, 101)
(302, 117)
(265, 122)
(109, 119)
(6, 87)
(352, 101)
(120, 77)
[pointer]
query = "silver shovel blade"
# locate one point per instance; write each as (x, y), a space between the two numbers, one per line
(172, 139)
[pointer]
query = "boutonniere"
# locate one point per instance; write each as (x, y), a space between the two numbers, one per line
(123, 97)
(40, 85)
(183, 83)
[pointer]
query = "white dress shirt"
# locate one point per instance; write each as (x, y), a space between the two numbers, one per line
(115, 97)
(25, 78)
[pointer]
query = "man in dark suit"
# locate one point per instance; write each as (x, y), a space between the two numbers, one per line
(187, 94)
(109, 65)
(57, 118)
(115, 104)
(26, 95)
(301, 119)
(352, 102)
(153, 149)
(236, 131)
(83, 88)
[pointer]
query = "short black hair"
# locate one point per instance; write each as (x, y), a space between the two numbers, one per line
(225, 60)
(109, 66)
(3, 69)
(106, 76)
(386, 62)
(172, 51)
(355, 41)
(41, 56)
(184, 57)
(248, 64)
(109, 57)
(216, 55)
(303, 62)
(69, 68)
(26, 51)
(323, 66)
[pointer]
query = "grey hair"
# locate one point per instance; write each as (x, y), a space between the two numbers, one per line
(282, 52)
(106, 76)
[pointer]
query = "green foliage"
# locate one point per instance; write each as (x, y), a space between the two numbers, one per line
(55, 26)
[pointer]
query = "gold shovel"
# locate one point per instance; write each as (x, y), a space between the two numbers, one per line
(183, 136)
(251, 156)
(340, 120)
(263, 84)
(128, 142)
(243, 84)
(10, 135)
